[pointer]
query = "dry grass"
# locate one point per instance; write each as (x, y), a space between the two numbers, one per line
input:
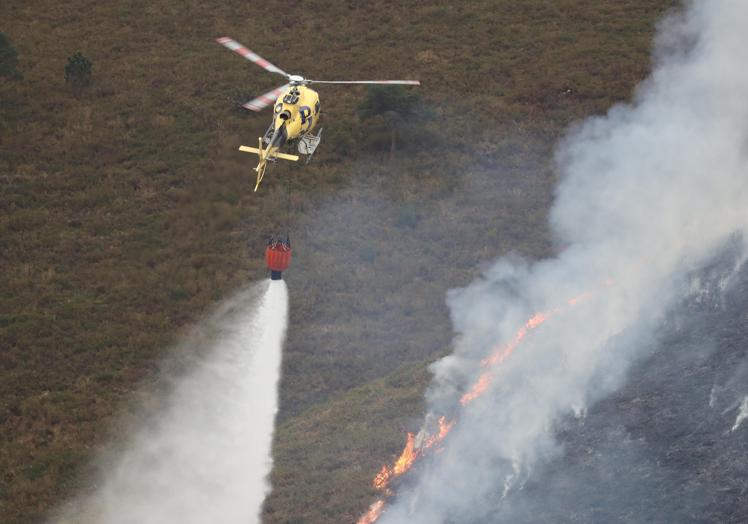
(126, 211)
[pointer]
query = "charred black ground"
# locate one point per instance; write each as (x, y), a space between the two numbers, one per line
(661, 449)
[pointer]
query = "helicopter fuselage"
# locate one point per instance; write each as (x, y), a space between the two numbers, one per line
(297, 111)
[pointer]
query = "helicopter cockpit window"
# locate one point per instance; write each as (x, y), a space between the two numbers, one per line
(291, 98)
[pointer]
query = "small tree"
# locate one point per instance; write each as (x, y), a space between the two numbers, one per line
(395, 104)
(78, 72)
(8, 58)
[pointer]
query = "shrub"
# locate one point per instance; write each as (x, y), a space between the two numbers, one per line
(8, 58)
(393, 101)
(390, 108)
(78, 72)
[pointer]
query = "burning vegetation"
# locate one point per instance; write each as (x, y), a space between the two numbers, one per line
(431, 435)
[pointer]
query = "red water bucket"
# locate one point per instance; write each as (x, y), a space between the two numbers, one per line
(277, 258)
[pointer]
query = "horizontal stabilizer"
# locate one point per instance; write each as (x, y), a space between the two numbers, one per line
(256, 151)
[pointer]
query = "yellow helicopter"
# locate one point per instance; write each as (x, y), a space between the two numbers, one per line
(296, 111)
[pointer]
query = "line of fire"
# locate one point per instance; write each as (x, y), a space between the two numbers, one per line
(432, 434)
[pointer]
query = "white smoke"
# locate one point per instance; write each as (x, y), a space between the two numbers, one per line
(648, 192)
(205, 456)
(713, 396)
(742, 414)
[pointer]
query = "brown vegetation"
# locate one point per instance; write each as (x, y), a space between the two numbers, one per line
(126, 211)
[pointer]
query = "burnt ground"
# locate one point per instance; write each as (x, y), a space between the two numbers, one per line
(661, 449)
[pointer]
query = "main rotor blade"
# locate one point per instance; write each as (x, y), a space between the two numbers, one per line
(401, 82)
(262, 101)
(249, 55)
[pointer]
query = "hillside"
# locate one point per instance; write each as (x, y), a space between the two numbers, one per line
(127, 211)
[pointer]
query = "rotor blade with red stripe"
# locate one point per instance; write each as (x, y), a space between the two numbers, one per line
(249, 55)
(401, 82)
(268, 99)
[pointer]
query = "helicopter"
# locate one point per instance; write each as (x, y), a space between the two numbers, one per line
(296, 111)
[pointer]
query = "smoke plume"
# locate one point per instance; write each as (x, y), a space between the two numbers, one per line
(742, 414)
(205, 454)
(648, 193)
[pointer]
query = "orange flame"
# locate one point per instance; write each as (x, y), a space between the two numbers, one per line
(444, 429)
(407, 457)
(502, 353)
(371, 516)
(410, 453)
(580, 298)
(478, 388)
(536, 320)
(401, 465)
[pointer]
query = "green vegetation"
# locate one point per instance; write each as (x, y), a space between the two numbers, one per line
(8, 58)
(78, 72)
(383, 100)
(392, 108)
(127, 212)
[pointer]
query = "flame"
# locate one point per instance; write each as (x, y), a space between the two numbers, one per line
(504, 352)
(478, 388)
(500, 354)
(401, 465)
(371, 516)
(580, 298)
(444, 429)
(536, 320)
(383, 477)
(412, 452)
(407, 457)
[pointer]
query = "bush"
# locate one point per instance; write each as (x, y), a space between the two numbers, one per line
(8, 58)
(78, 72)
(390, 108)
(390, 101)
